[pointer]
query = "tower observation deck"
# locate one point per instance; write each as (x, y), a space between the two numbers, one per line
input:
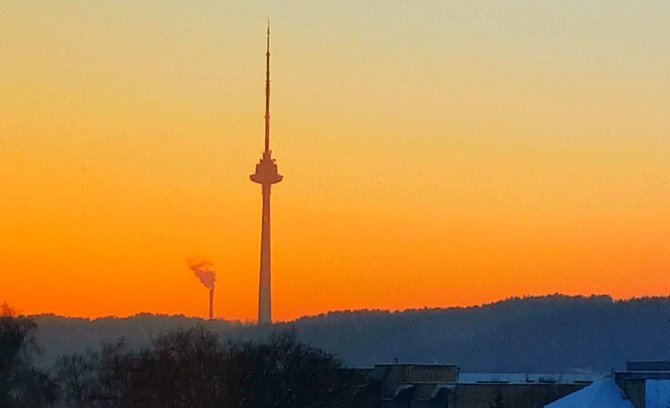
(266, 175)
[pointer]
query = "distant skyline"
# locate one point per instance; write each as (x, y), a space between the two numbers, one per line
(439, 153)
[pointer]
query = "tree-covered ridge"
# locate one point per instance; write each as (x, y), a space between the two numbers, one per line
(534, 334)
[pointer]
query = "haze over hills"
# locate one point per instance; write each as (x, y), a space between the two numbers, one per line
(536, 334)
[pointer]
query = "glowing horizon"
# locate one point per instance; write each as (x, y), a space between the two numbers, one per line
(435, 155)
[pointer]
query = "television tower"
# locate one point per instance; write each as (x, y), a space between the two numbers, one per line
(266, 175)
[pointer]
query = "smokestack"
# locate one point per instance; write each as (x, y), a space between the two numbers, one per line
(204, 271)
(211, 303)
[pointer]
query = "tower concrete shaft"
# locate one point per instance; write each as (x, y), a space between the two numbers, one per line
(266, 175)
(265, 279)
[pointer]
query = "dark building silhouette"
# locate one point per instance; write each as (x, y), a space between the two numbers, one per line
(645, 383)
(443, 385)
(266, 175)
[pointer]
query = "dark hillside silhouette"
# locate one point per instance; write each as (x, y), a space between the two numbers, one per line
(539, 334)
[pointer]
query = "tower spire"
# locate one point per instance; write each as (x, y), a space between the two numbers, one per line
(267, 93)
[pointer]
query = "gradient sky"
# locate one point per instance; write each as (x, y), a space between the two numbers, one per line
(434, 153)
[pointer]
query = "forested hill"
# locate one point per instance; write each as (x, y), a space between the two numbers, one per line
(539, 334)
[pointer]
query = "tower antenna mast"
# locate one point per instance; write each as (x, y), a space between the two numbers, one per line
(267, 92)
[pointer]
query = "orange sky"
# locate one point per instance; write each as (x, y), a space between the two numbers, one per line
(433, 154)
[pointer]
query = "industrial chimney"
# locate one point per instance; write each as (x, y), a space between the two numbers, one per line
(211, 303)
(204, 271)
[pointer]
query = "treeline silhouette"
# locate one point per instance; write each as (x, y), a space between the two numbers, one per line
(534, 334)
(187, 367)
(21, 384)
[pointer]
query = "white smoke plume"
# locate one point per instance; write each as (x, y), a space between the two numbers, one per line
(204, 270)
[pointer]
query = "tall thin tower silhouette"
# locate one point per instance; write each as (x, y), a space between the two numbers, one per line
(266, 175)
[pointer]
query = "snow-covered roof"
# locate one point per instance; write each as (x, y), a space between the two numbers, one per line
(657, 394)
(522, 378)
(601, 394)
